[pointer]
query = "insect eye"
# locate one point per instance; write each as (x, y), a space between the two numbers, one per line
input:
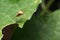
(19, 13)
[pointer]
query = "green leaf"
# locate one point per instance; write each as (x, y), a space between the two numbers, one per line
(10, 8)
(49, 26)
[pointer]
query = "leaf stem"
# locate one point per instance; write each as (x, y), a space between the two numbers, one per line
(46, 7)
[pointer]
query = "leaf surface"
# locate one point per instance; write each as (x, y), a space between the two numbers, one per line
(10, 8)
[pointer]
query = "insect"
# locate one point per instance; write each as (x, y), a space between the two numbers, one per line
(19, 13)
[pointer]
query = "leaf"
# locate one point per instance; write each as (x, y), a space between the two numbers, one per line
(49, 26)
(10, 8)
